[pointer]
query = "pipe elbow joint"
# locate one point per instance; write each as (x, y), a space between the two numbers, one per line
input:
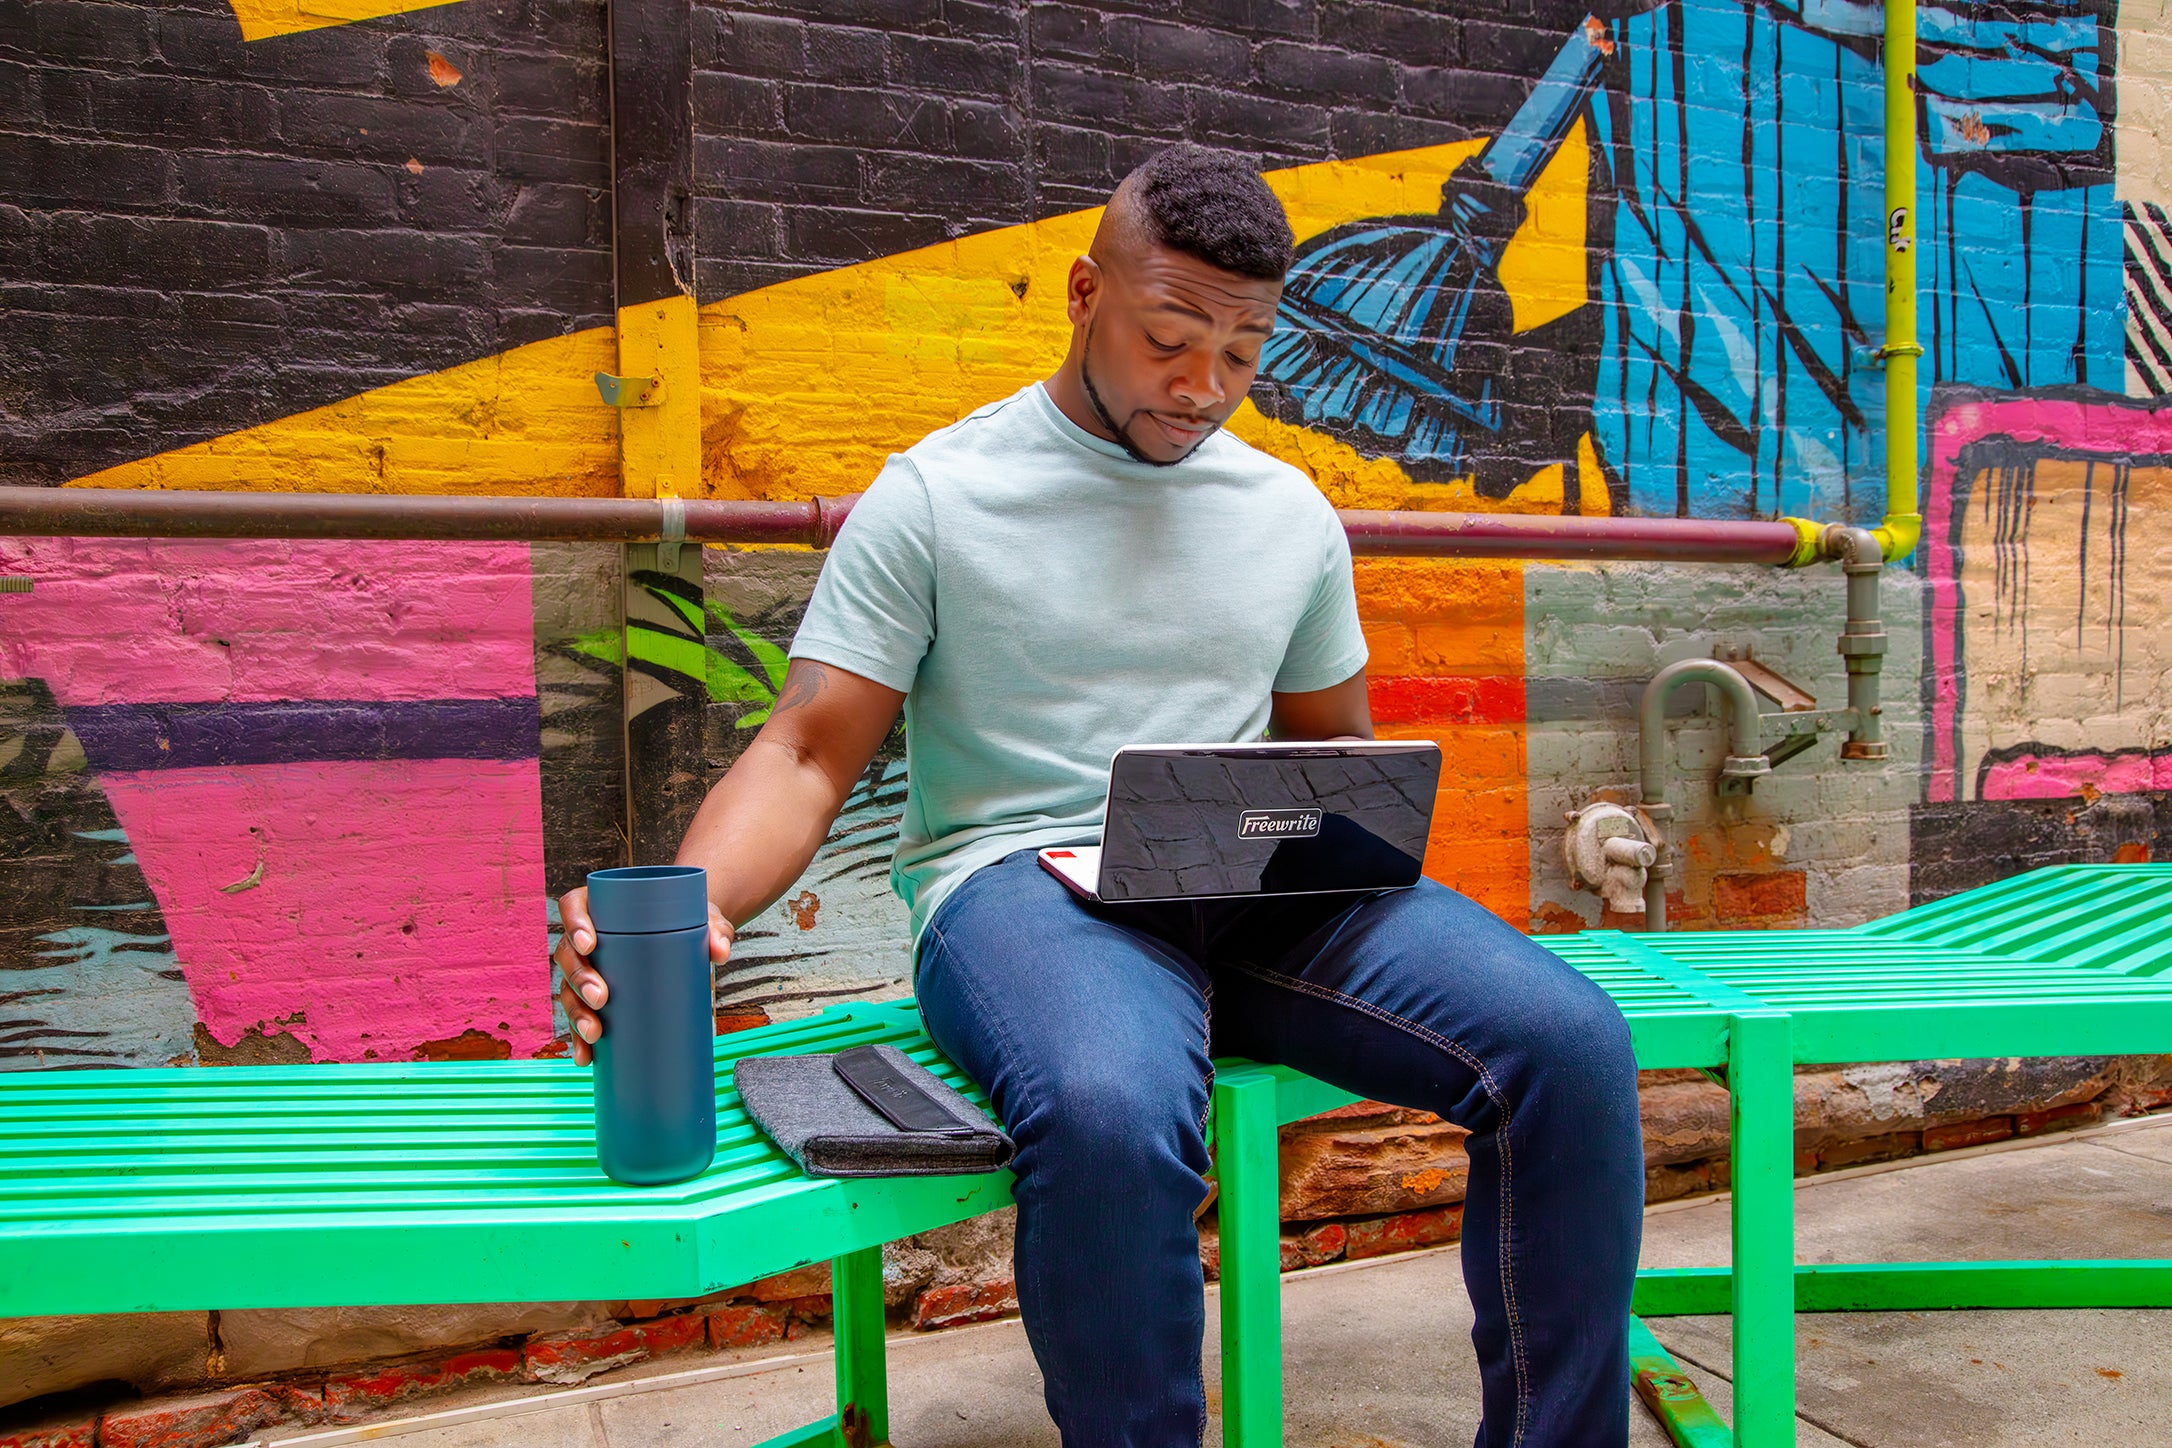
(1898, 535)
(1856, 548)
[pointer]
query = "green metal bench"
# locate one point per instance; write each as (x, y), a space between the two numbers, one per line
(125, 1191)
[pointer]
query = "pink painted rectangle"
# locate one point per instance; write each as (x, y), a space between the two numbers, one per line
(150, 620)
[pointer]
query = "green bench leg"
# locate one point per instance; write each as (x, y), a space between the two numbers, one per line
(863, 1384)
(1251, 1222)
(1672, 1397)
(1922, 1286)
(1761, 1083)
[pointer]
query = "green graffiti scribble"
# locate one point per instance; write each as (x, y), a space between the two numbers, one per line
(693, 657)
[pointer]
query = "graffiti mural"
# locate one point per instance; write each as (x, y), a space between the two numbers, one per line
(314, 765)
(2047, 661)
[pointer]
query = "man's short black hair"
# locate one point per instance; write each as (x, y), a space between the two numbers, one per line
(1214, 207)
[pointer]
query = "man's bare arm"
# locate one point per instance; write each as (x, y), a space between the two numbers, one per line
(1340, 711)
(762, 822)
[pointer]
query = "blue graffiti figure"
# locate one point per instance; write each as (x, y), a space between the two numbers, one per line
(1744, 287)
(1740, 273)
(1392, 332)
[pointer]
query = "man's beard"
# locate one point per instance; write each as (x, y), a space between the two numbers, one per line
(1108, 419)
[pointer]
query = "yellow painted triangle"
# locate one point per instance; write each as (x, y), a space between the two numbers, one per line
(262, 19)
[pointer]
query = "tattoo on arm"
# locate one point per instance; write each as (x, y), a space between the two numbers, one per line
(800, 689)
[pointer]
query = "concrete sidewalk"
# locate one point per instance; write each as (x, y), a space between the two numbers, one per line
(1379, 1352)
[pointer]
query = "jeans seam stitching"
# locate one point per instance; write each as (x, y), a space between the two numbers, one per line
(1493, 1090)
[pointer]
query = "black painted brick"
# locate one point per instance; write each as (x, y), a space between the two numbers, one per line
(1072, 154)
(439, 198)
(723, 277)
(157, 107)
(516, 327)
(822, 233)
(774, 170)
(1255, 17)
(283, 188)
(1158, 50)
(209, 44)
(113, 34)
(550, 85)
(1272, 125)
(736, 103)
(396, 261)
(1507, 49)
(766, 46)
(1098, 98)
(738, 228)
(125, 250)
(1473, 99)
(380, 128)
(1323, 74)
(938, 183)
(1419, 37)
(866, 117)
(537, 149)
(562, 276)
(962, 67)
(982, 19)
(545, 213)
(887, 14)
(408, 73)
(1366, 133)
(987, 130)
(20, 102)
(49, 171)
(1068, 31)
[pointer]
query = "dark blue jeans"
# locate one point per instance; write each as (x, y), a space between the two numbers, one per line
(1090, 1028)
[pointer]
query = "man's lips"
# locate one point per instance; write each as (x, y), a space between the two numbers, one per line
(1182, 430)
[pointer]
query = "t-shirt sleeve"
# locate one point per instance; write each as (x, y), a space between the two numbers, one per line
(873, 609)
(1328, 646)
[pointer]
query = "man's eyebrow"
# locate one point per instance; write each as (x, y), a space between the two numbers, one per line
(1184, 310)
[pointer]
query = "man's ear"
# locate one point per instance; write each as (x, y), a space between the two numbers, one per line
(1082, 289)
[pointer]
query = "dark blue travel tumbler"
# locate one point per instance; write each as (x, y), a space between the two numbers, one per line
(655, 1071)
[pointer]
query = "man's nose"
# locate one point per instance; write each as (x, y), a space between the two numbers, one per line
(1200, 387)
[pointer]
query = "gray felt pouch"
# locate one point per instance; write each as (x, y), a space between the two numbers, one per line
(824, 1125)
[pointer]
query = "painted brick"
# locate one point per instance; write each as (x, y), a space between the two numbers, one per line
(77, 1433)
(572, 1357)
(2058, 1118)
(1775, 897)
(1967, 1133)
(1890, 1147)
(1406, 1232)
(963, 1303)
(351, 1395)
(1314, 1245)
(212, 1419)
(744, 1325)
(809, 1281)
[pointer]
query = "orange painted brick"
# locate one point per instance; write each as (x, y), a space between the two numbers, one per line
(1967, 1133)
(1890, 1147)
(1404, 1232)
(2058, 1118)
(570, 1357)
(349, 1395)
(746, 1325)
(963, 1303)
(1763, 896)
(812, 1280)
(56, 1433)
(1314, 1245)
(212, 1419)
(1446, 699)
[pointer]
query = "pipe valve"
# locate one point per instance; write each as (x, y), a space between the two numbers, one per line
(1608, 850)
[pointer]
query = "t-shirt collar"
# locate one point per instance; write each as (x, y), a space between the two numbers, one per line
(1073, 432)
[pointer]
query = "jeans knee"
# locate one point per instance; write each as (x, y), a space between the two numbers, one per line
(1112, 1123)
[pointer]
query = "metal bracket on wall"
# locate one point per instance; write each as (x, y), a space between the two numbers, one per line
(630, 391)
(1799, 724)
(671, 533)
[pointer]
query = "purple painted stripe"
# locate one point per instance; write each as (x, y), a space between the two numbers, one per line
(129, 737)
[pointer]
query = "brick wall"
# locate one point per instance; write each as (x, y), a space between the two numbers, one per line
(199, 233)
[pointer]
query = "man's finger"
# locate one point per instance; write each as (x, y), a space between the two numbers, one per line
(580, 931)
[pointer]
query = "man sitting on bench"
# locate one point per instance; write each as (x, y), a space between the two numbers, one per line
(1091, 563)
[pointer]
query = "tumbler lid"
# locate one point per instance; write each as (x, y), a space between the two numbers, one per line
(648, 899)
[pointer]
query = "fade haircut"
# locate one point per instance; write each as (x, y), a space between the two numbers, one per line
(1214, 208)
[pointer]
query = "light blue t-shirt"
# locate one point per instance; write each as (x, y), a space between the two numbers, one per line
(1042, 599)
